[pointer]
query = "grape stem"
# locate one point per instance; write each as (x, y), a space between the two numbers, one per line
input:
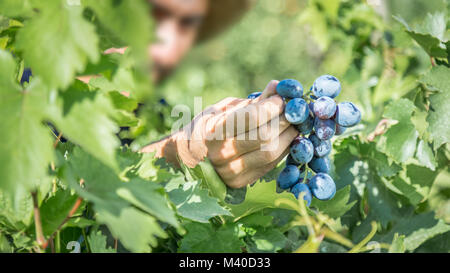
(433, 61)
(361, 244)
(57, 140)
(69, 215)
(307, 170)
(38, 223)
(379, 130)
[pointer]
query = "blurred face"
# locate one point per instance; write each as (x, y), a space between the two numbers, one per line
(177, 26)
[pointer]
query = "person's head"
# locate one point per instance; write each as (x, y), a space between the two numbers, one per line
(178, 23)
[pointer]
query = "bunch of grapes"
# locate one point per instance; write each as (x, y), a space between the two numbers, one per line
(318, 118)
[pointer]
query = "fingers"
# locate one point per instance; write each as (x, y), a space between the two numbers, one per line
(270, 90)
(268, 153)
(251, 175)
(221, 106)
(221, 152)
(253, 115)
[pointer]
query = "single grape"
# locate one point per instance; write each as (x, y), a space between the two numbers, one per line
(324, 128)
(322, 186)
(306, 126)
(311, 107)
(254, 95)
(288, 177)
(302, 150)
(347, 115)
(296, 111)
(290, 89)
(163, 102)
(321, 147)
(326, 85)
(320, 164)
(26, 75)
(324, 108)
(291, 161)
(299, 188)
(339, 130)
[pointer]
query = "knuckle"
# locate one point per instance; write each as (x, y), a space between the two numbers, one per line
(236, 183)
(274, 82)
(270, 155)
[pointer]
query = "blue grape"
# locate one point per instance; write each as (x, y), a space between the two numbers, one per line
(254, 95)
(306, 126)
(324, 108)
(299, 188)
(320, 164)
(311, 107)
(324, 128)
(321, 147)
(302, 150)
(339, 130)
(326, 85)
(163, 102)
(26, 75)
(288, 177)
(290, 89)
(347, 115)
(322, 186)
(296, 111)
(291, 161)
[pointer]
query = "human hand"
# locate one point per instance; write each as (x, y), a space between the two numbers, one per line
(243, 138)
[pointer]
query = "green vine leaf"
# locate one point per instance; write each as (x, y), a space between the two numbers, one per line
(337, 206)
(205, 172)
(199, 236)
(119, 203)
(400, 140)
(97, 243)
(416, 229)
(194, 203)
(430, 34)
(74, 42)
(84, 117)
(262, 195)
(25, 143)
(439, 123)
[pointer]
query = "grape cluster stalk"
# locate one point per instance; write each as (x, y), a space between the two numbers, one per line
(318, 117)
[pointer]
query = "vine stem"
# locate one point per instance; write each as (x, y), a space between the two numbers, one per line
(86, 240)
(433, 61)
(57, 140)
(361, 244)
(337, 237)
(379, 130)
(37, 222)
(69, 215)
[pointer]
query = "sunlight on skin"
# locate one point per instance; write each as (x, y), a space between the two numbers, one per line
(237, 166)
(228, 149)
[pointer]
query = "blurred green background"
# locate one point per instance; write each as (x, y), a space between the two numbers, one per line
(358, 41)
(288, 39)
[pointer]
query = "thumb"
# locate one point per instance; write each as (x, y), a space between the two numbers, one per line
(270, 90)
